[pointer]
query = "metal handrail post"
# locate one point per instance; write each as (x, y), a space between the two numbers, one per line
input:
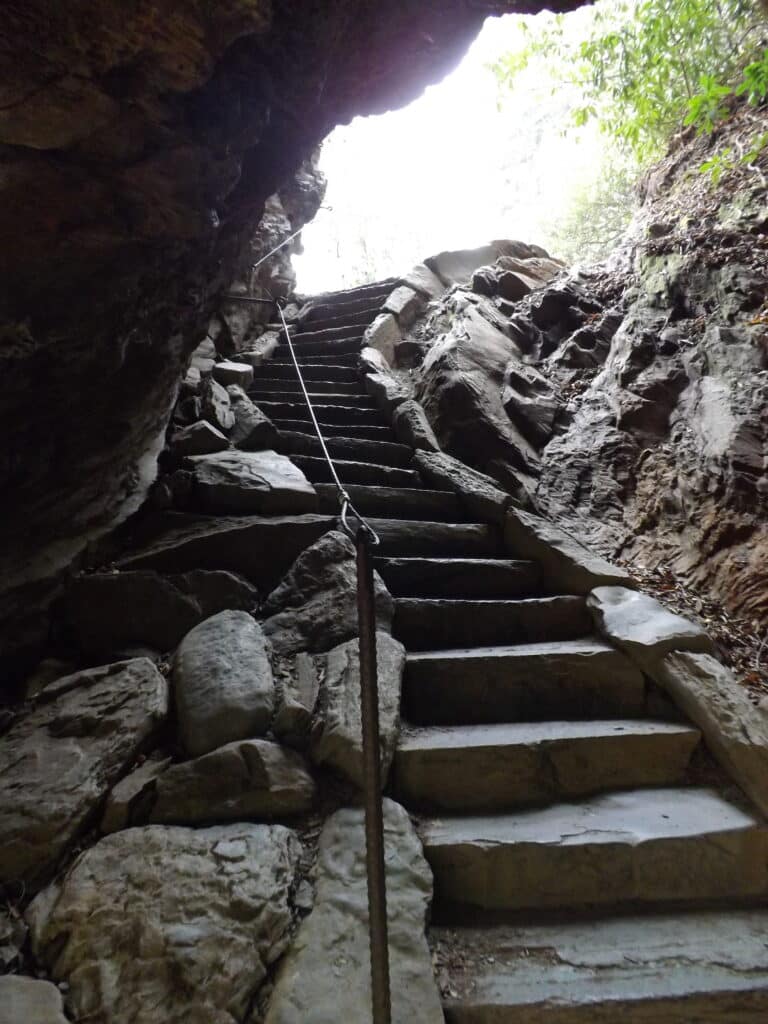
(374, 818)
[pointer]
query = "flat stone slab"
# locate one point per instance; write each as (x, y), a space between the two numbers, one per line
(242, 481)
(325, 977)
(403, 537)
(575, 678)
(459, 577)
(58, 761)
(30, 1001)
(644, 845)
(481, 494)
(166, 924)
(642, 627)
(707, 967)
(497, 767)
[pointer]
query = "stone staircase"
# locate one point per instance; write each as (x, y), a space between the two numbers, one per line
(580, 871)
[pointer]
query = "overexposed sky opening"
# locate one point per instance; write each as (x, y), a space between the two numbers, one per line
(451, 170)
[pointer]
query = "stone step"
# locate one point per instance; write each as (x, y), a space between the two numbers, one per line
(480, 685)
(311, 350)
(694, 967)
(338, 309)
(283, 358)
(485, 768)
(377, 433)
(430, 538)
(459, 577)
(356, 399)
(312, 334)
(316, 470)
(383, 453)
(290, 385)
(632, 847)
(310, 371)
(364, 316)
(424, 623)
(395, 503)
(345, 295)
(325, 413)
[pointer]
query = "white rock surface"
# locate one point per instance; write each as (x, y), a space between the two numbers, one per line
(423, 280)
(243, 780)
(735, 730)
(58, 762)
(229, 372)
(30, 1001)
(223, 685)
(337, 738)
(164, 925)
(325, 977)
(240, 481)
(383, 334)
(642, 627)
(199, 438)
(387, 391)
(405, 304)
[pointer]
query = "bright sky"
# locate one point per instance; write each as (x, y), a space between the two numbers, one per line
(451, 170)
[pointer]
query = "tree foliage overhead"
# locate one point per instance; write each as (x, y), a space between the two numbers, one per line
(643, 66)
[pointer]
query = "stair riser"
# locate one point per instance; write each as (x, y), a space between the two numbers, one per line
(339, 414)
(479, 689)
(378, 452)
(424, 625)
(348, 359)
(362, 318)
(285, 385)
(310, 350)
(335, 430)
(348, 401)
(500, 777)
(310, 371)
(317, 471)
(403, 504)
(313, 336)
(434, 539)
(422, 578)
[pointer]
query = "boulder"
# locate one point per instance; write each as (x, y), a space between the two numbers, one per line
(383, 334)
(412, 427)
(298, 699)
(253, 429)
(530, 402)
(567, 566)
(171, 925)
(261, 350)
(223, 685)
(423, 280)
(129, 801)
(478, 492)
(337, 737)
(13, 935)
(405, 304)
(30, 1001)
(243, 780)
(735, 730)
(228, 372)
(315, 606)
(325, 978)
(387, 391)
(239, 481)
(458, 266)
(58, 762)
(215, 405)
(642, 627)
(372, 361)
(198, 438)
(162, 608)
(204, 357)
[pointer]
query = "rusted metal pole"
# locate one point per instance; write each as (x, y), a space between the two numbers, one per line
(374, 819)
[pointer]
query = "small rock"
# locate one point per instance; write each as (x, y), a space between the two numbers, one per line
(215, 405)
(130, 800)
(233, 373)
(223, 685)
(198, 439)
(242, 780)
(240, 481)
(30, 1001)
(204, 357)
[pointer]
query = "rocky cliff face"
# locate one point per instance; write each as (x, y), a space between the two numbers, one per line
(139, 145)
(628, 401)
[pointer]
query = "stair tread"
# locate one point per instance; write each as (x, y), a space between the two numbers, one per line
(355, 472)
(358, 449)
(585, 646)
(318, 398)
(272, 369)
(698, 965)
(315, 385)
(356, 430)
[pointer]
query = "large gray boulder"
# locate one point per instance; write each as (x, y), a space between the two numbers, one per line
(240, 481)
(405, 304)
(315, 606)
(325, 978)
(164, 925)
(337, 737)
(412, 427)
(30, 1001)
(215, 405)
(457, 266)
(58, 762)
(383, 334)
(242, 780)
(199, 438)
(480, 493)
(162, 608)
(223, 685)
(253, 429)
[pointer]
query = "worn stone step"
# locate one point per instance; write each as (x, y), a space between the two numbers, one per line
(632, 847)
(316, 470)
(325, 413)
(346, 295)
(346, 318)
(483, 768)
(395, 503)
(563, 679)
(407, 537)
(383, 453)
(341, 308)
(459, 577)
(283, 358)
(694, 967)
(310, 350)
(291, 385)
(310, 371)
(424, 623)
(355, 399)
(312, 334)
(377, 433)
